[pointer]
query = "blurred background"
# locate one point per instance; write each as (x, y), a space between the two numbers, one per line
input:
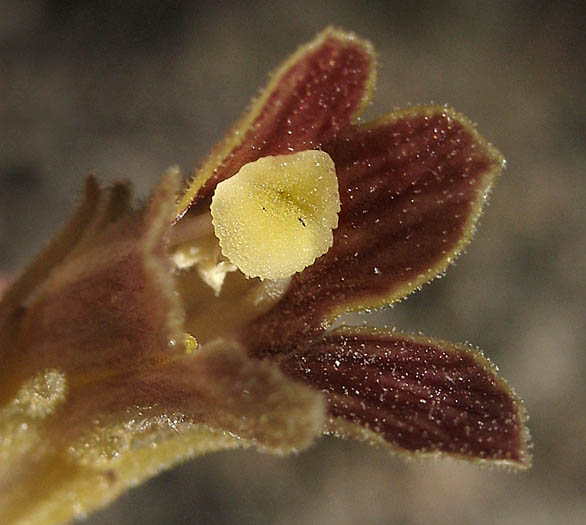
(125, 89)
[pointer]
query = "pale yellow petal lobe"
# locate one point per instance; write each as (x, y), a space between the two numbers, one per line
(276, 215)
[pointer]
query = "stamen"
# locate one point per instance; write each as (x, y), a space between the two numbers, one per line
(213, 274)
(201, 250)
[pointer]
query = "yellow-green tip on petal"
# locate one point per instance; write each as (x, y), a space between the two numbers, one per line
(276, 215)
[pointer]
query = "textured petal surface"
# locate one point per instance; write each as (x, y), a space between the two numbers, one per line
(412, 186)
(419, 396)
(312, 96)
(276, 215)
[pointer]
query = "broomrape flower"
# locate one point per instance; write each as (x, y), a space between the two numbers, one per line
(140, 337)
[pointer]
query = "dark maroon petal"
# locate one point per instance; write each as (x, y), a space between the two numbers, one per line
(314, 95)
(418, 395)
(412, 186)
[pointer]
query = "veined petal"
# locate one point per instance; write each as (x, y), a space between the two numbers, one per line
(416, 395)
(109, 304)
(315, 94)
(412, 186)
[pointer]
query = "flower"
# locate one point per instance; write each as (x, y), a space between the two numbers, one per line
(132, 343)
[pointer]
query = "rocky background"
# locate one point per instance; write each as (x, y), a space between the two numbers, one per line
(125, 89)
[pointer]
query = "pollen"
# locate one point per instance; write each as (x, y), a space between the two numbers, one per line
(190, 343)
(277, 214)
